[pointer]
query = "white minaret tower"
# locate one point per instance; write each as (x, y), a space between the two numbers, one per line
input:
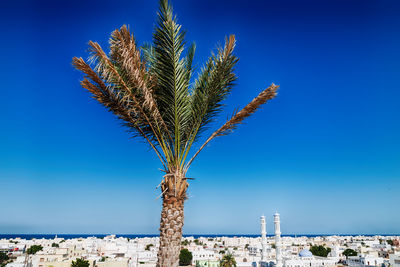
(278, 244)
(263, 239)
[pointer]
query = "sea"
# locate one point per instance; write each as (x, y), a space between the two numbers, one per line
(133, 236)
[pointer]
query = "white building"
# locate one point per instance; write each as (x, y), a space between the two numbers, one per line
(204, 254)
(394, 260)
(365, 261)
(307, 259)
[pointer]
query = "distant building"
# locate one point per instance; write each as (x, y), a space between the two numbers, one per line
(307, 259)
(207, 263)
(304, 259)
(394, 260)
(364, 261)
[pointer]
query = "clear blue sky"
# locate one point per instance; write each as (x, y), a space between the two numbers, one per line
(325, 153)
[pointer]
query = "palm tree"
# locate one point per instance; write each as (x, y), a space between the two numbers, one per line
(151, 90)
(228, 261)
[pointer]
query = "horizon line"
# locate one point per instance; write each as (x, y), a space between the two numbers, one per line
(204, 234)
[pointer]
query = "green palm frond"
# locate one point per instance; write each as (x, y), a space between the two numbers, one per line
(148, 56)
(239, 117)
(189, 61)
(171, 74)
(210, 90)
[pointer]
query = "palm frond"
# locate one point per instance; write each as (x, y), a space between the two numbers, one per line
(148, 57)
(213, 86)
(122, 109)
(172, 83)
(111, 74)
(128, 61)
(189, 61)
(238, 117)
(248, 110)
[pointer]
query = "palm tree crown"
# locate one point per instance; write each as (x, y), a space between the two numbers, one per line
(228, 261)
(150, 88)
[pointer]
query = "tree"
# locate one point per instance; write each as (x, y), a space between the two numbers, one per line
(152, 91)
(148, 246)
(320, 251)
(185, 257)
(349, 252)
(33, 249)
(228, 261)
(55, 245)
(185, 242)
(3, 257)
(80, 263)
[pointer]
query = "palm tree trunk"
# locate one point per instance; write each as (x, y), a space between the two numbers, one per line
(170, 232)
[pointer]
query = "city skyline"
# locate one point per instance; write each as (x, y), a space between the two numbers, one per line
(324, 153)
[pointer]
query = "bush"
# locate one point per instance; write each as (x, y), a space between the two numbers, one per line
(55, 245)
(149, 246)
(80, 263)
(33, 249)
(185, 257)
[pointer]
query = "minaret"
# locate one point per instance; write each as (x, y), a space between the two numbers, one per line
(263, 239)
(278, 244)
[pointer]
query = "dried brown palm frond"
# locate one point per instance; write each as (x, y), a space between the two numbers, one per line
(122, 112)
(123, 109)
(125, 54)
(81, 65)
(249, 109)
(101, 92)
(108, 71)
(229, 46)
